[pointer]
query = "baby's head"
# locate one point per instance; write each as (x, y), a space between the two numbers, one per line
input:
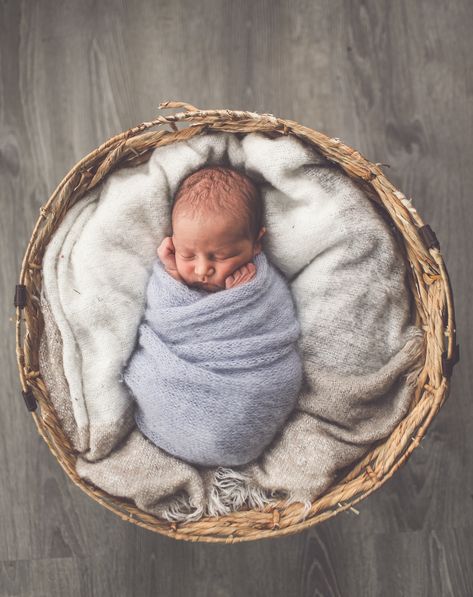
(217, 227)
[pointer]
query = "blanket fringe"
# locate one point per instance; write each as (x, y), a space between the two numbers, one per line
(182, 509)
(229, 491)
(306, 505)
(232, 491)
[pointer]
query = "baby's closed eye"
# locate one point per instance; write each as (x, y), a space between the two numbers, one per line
(210, 257)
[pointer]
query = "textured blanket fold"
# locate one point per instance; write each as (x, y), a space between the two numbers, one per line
(215, 375)
(360, 350)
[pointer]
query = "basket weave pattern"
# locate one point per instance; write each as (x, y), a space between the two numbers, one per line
(428, 281)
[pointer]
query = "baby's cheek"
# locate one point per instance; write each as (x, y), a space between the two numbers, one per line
(184, 269)
(224, 271)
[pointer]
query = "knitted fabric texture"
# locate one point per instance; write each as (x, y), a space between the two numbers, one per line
(360, 350)
(216, 375)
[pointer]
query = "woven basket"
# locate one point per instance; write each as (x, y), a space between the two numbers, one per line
(428, 280)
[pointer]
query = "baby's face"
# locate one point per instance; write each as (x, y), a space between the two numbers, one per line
(209, 250)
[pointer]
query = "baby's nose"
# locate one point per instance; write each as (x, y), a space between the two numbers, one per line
(203, 269)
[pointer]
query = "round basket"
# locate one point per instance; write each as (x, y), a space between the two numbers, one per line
(428, 281)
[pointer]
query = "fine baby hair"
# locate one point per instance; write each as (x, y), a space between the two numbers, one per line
(217, 189)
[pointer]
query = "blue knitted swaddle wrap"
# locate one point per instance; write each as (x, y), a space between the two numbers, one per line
(215, 375)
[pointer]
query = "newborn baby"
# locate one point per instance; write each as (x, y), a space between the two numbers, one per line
(216, 372)
(216, 221)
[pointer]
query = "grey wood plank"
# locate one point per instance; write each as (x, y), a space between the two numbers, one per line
(426, 77)
(44, 578)
(434, 563)
(393, 80)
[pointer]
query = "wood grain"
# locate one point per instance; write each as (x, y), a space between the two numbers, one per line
(394, 80)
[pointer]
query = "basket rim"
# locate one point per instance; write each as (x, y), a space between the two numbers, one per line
(430, 285)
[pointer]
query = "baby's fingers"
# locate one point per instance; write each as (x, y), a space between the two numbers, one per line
(229, 281)
(241, 275)
(166, 248)
(168, 245)
(249, 270)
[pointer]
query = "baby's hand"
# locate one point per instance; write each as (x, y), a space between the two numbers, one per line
(241, 275)
(167, 254)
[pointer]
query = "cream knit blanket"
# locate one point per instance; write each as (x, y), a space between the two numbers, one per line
(361, 353)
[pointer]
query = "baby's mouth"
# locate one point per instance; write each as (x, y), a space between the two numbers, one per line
(206, 286)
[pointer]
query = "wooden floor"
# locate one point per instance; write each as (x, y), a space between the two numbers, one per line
(393, 79)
